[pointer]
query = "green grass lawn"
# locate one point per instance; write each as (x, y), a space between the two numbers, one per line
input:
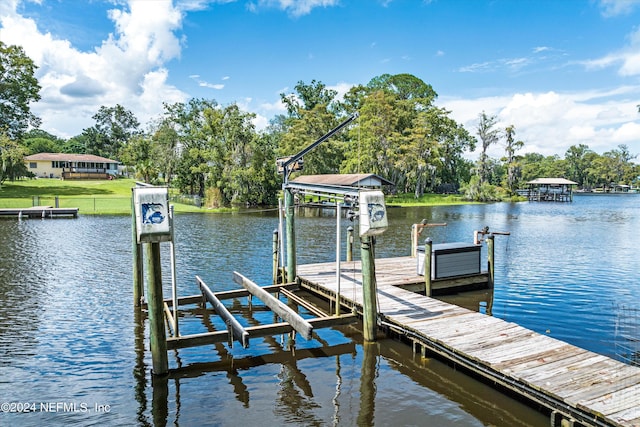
(91, 197)
(426, 200)
(114, 197)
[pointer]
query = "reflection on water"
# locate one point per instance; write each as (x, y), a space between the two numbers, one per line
(70, 334)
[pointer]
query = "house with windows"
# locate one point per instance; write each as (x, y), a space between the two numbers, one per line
(71, 166)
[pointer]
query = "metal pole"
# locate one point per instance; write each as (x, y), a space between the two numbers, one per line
(490, 259)
(136, 249)
(174, 286)
(155, 301)
(338, 272)
(349, 244)
(428, 247)
(369, 301)
(275, 257)
(281, 237)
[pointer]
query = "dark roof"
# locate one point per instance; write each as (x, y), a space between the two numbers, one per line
(344, 179)
(69, 157)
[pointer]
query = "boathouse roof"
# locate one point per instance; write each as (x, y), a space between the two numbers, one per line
(345, 179)
(68, 157)
(552, 181)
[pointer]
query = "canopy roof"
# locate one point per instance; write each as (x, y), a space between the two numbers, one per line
(345, 179)
(552, 181)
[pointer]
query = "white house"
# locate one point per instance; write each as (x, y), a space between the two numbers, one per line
(71, 166)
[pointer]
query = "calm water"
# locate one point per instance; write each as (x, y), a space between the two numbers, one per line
(72, 348)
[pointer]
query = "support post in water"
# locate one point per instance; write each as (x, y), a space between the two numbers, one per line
(275, 257)
(155, 302)
(349, 244)
(154, 225)
(136, 250)
(338, 272)
(428, 247)
(369, 301)
(291, 235)
(490, 259)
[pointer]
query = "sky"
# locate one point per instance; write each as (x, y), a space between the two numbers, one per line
(562, 72)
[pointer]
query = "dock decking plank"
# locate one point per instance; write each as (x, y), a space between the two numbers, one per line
(593, 385)
(614, 402)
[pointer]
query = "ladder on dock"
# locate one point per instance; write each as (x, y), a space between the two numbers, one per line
(39, 212)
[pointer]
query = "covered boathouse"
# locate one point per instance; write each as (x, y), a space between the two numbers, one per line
(325, 185)
(550, 190)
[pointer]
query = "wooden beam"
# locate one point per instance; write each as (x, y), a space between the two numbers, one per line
(196, 340)
(188, 300)
(278, 357)
(239, 293)
(306, 304)
(238, 331)
(169, 318)
(302, 326)
(206, 338)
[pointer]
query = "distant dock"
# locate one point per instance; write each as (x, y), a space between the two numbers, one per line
(39, 212)
(578, 387)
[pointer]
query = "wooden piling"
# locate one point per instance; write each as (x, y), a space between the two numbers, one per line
(414, 240)
(490, 257)
(428, 247)
(274, 254)
(136, 249)
(155, 303)
(291, 236)
(349, 244)
(368, 374)
(338, 270)
(369, 300)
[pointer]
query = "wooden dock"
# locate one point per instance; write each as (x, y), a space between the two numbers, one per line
(578, 387)
(39, 212)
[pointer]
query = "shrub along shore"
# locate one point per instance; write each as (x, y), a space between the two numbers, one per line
(114, 197)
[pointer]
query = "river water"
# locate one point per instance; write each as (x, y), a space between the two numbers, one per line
(72, 350)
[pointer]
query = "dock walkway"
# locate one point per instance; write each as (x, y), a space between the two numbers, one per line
(39, 212)
(576, 385)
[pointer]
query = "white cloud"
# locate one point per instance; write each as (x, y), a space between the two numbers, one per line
(203, 83)
(612, 8)
(126, 69)
(627, 59)
(295, 8)
(549, 123)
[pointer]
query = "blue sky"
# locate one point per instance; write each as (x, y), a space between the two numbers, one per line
(563, 72)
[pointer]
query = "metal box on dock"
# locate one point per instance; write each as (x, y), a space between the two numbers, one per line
(451, 260)
(152, 214)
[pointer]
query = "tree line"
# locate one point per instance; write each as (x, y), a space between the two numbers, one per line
(215, 151)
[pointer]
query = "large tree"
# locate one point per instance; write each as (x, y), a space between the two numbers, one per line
(512, 162)
(18, 88)
(114, 127)
(311, 114)
(488, 135)
(11, 159)
(579, 158)
(192, 124)
(307, 97)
